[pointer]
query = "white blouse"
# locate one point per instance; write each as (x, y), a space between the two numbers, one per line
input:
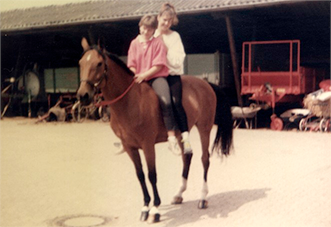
(176, 53)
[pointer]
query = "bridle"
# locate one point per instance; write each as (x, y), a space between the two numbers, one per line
(104, 77)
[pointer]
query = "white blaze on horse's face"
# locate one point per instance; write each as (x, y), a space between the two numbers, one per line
(88, 57)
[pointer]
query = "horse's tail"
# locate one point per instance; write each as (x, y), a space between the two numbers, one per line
(223, 119)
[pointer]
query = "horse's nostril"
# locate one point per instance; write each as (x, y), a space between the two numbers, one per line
(86, 96)
(84, 99)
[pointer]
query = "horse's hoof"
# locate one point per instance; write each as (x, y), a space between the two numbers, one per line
(177, 200)
(144, 216)
(153, 218)
(203, 204)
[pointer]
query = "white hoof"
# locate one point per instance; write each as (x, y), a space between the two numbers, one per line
(154, 216)
(144, 214)
(203, 204)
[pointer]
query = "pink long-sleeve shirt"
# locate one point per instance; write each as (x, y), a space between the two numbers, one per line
(143, 56)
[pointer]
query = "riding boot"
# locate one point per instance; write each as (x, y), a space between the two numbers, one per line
(173, 145)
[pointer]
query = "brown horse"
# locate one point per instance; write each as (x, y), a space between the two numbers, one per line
(136, 118)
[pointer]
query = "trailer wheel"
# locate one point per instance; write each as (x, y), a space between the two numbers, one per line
(104, 113)
(303, 125)
(79, 112)
(324, 125)
(276, 123)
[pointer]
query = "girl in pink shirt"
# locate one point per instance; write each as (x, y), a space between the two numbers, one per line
(147, 58)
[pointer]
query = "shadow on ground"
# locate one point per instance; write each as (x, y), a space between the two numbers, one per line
(220, 205)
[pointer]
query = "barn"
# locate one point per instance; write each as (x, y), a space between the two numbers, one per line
(45, 41)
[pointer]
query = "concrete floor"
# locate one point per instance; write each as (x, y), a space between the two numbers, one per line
(67, 174)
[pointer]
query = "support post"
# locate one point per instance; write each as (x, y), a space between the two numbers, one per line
(234, 59)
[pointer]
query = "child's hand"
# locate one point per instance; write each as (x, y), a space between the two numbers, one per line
(139, 78)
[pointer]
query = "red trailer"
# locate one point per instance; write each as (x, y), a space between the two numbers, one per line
(271, 74)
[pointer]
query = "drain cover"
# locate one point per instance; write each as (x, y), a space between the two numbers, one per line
(81, 221)
(84, 221)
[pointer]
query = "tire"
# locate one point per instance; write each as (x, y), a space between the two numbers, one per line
(79, 112)
(303, 124)
(276, 124)
(324, 125)
(104, 113)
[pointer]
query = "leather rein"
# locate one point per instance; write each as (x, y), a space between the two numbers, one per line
(104, 76)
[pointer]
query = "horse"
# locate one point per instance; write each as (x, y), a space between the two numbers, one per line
(136, 118)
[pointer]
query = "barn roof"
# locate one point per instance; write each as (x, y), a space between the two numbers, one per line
(96, 11)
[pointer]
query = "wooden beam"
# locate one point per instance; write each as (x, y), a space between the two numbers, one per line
(234, 59)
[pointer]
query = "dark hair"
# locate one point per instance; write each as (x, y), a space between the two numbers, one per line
(149, 21)
(169, 8)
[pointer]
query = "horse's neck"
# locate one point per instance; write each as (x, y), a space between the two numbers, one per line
(118, 81)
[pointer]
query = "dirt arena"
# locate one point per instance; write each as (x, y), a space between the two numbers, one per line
(67, 174)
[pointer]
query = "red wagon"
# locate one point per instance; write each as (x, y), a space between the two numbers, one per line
(271, 74)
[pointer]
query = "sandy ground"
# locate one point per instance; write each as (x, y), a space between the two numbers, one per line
(67, 174)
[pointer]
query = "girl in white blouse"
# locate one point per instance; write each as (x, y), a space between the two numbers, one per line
(175, 61)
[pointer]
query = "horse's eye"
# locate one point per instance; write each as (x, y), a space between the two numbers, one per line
(100, 64)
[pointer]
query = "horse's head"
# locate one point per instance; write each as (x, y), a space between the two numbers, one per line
(93, 69)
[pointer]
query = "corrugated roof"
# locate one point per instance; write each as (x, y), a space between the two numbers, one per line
(110, 10)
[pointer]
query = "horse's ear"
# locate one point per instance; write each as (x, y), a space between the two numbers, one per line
(85, 44)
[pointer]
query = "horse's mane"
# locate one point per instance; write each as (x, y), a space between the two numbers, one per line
(113, 57)
(120, 63)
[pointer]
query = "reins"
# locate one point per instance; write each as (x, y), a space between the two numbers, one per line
(104, 76)
(109, 102)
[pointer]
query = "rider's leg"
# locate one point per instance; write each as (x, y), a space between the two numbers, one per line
(161, 88)
(175, 85)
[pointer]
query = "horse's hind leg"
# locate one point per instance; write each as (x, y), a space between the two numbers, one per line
(178, 199)
(204, 135)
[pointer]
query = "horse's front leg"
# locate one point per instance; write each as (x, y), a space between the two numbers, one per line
(149, 151)
(135, 157)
